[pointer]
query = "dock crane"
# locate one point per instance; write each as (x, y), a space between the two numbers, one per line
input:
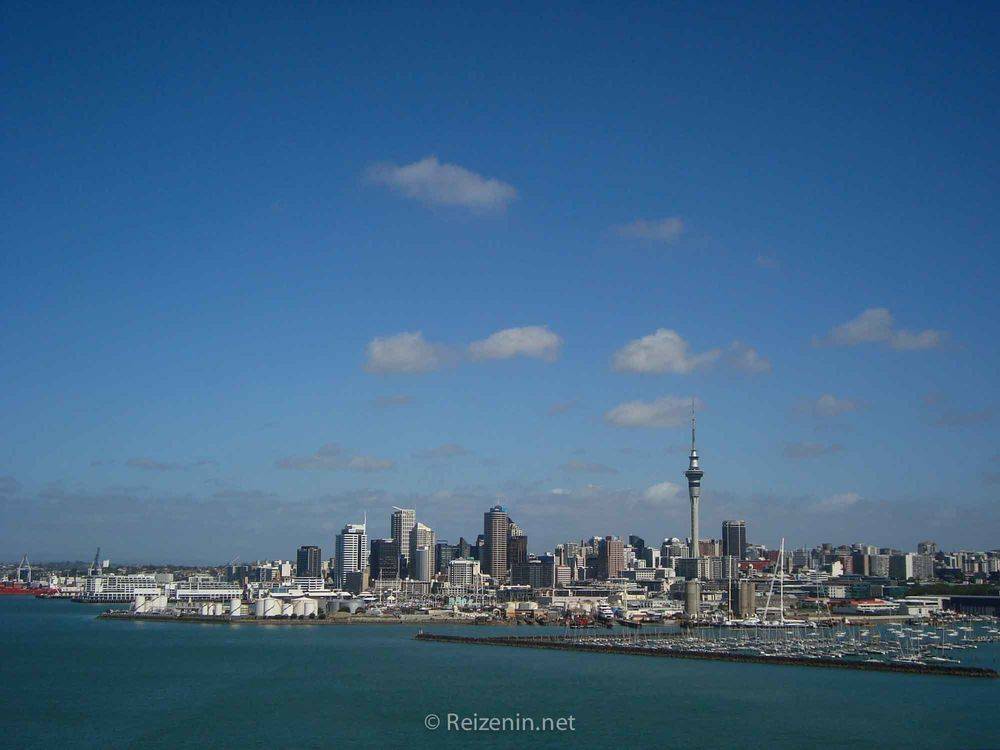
(95, 568)
(24, 566)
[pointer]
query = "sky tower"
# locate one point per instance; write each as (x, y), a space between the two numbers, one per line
(694, 475)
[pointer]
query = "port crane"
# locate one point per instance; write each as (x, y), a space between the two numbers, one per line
(24, 566)
(95, 568)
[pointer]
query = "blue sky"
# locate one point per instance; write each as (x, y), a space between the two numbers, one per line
(225, 228)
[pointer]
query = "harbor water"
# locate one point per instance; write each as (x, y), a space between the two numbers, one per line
(73, 681)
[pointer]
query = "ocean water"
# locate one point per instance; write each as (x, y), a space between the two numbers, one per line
(72, 681)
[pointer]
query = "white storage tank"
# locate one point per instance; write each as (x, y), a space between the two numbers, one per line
(299, 607)
(235, 608)
(287, 609)
(218, 609)
(205, 609)
(311, 607)
(267, 607)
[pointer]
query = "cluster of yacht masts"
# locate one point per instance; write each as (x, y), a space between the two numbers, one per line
(893, 644)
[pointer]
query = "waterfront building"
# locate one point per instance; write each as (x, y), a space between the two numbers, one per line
(351, 552)
(496, 523)
(308, 562)
(463, 572)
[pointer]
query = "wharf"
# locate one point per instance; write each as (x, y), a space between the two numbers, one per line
(563, 644)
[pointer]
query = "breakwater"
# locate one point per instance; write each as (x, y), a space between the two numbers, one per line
(563, 644)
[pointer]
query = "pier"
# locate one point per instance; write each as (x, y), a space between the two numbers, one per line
(563, 644)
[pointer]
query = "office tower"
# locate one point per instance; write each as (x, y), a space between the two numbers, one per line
(351, 552)
(443, 554)
(734, 539)
(878, 566)
(422, 535)
(401, 523)
(517, 549)
(638, 544)
(383, 560)
(308, 562)
(493, 553)
(927, 548)
(610, 558)
(423, 563)
(694, 475)
(463, 548)
(901, 566)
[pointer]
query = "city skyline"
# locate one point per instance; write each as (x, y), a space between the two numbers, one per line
(269, 282)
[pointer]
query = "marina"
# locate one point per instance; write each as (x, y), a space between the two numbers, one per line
(895, 648)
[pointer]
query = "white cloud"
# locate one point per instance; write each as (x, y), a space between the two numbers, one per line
(560, 492)
(829, 405)
(658, 230)
(876, 326)
(838, 502)
(662, 351)
(667, 411)
(747, 359)
(331, 457)
(404, 352)
(529, 341)
(915, 340)
(663, 492)
(430, 181)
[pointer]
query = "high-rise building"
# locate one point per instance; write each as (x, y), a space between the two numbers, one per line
(383, 560)
(517, 549)
(309, 562)
(694, 475)
(422, 535)
(734, 538)
(443, 554)
(463, 549)
(927, 548)
(463, 572)
(401, 523)
(493, 558)
(610, 558)
(351, 552)
(422, 559)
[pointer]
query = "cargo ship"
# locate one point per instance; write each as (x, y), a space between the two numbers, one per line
(20, 589)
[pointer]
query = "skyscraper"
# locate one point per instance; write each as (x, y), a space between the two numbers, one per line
(384, 559)
(734, 538)
(694, 475)
(350, 552)
(421, 535)
(610, 558)
(422, 559)
(496, 525)
(308, 562)
(401, 523)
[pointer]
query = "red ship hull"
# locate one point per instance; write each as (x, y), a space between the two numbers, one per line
(6, 590)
